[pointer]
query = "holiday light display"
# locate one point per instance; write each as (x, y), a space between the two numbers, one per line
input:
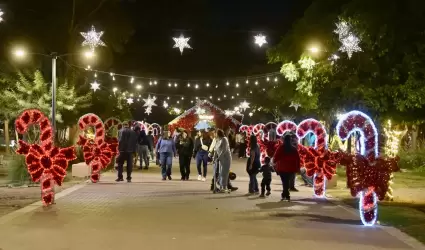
(244, 105)
(97, 152)
(1, 16)
(260, 40)
(149, 102)
(130, 100)
(112, 123)
(246, 129)
(349, 40)
(257, 128)
(289, 70)
(46, 163)
(295, 105)
(318, 161)
(92, 39)
(95, 86)
(155, 128)
(181, 43)
(368, 175)
(286, 126)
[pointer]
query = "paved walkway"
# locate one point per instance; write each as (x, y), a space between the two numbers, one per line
(155, 215)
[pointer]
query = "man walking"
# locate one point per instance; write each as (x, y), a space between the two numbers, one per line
(127, 145)
(151, 142)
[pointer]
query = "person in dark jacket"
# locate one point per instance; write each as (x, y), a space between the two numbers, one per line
(253, 164)
(127, 145)
(185, 149)
(267, 170)
(287, 164)
(202, 145)
(144, 147)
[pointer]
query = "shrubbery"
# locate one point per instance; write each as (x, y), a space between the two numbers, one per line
(413, 160)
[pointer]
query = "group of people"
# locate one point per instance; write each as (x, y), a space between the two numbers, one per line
(211, 146)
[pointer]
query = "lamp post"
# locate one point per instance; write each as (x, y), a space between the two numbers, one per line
(21, 53)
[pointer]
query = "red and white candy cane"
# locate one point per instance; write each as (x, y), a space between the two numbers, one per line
(356, 121)
(93, 147)
(313, 126)
(245, 129)
(46, 163)
(258, 128)
(286, 126)
(156, 129)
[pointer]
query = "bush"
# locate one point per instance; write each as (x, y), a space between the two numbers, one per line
(18, 172)
(413, 160)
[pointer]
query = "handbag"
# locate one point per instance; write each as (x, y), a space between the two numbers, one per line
(204, 147)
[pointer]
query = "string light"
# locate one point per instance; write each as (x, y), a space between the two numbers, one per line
(165, 104)
(247, 81)
(155, 82)
(169, 84)
(139, 86)
(275, 79)
(95, 75)
(256, 82)
(188, 85)
(92, 39)
(175, 85)
(196, 86)
(150, 83)
(132, 80)
(237, 85)
(227, 83)
(207, 84)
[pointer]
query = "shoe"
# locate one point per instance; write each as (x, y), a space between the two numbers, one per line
(204, 179)
(183, 178)
(140, 168)
(187, 178)
(119, 179)
(128, 180)
(146, 168)
(169, 177)
(256, 192)
(226, 191)
(164, 179)
(233, 189)
(199, 177)
(268, 193)
(293, 190)
(262, 196)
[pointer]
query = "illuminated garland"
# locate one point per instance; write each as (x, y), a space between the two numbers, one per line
(318, 161)
(97, 152)
(46, 163)
(368, 175)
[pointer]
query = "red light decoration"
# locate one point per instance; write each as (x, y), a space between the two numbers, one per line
(46, 163)
(318, 161)
(97, 152)
(286, 126)
(258, 128)
(156, 129)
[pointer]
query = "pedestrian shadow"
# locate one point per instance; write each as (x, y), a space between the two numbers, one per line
(274, 205)
(226, 196)
(318, 218)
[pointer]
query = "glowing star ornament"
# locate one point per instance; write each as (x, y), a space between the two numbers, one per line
(244, 105)
(149, 102)
(92, 38)
(148, 110)
(260, 40)
(181, 43)
(295, 105)
(349, 40)
(130, 100)
(95, 86)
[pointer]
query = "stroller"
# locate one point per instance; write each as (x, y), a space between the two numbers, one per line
(216, 167)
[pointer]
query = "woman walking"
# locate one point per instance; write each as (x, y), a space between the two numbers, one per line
(223, 155)
(253, 165)
(185, 149)
(287, 164)
(144, 147)
(202, 145)
(166, 149)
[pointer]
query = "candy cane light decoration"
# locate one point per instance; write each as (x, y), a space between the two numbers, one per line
(97, 152)
(258, 128)
(286, 126)
(46, 163)
(312, 159)
(356, 121)
(155, 128)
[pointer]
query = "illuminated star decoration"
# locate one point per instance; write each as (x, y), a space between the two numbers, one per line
(95, 86)
(130, 100)
(165, 104)
(149, 102)
(92, 38)
(260, 40)
(244, 105)
(295, 105)
(1, 16)
(349, 40)
(181, 43)
(200, 111)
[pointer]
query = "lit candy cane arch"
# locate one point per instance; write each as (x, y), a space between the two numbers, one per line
(258, 128)
(46, 163)
(97, 152)
(313, 126)
(356, 121)
(155, 128)
(248, 130)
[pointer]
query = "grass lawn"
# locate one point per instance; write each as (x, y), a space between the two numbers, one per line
(406, 212)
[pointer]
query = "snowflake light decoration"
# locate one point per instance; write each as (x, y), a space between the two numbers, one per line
(290, 72)
(200, 111)
(181, 43)
(1, 16)
(165, 104)
(130, 100)
(149, 102)
(260, 40)
(95, 86)
(349, 40)
(244, 105)
(295, 105)
(92, 38)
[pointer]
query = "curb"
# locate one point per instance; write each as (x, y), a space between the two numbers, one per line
(10, 216)
(395, 232)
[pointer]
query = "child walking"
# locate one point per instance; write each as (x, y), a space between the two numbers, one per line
(267, 170)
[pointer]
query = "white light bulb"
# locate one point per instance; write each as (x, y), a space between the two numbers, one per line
(275, 79)
(182, 98)
(237, 94)
(237, 85)
(196, 98)
(150, 82)
(227, 83)
(139, 86)
(175, 85)
(188, 85)
(196, 86)
(169, 84)
(247, 82)
(113, 78)
(168, 98)
(224, 96)
(191, 101)
(115, 89)
(233, 97)
(208, 84)
(256, 82)
(132, 80)
(211, 97)
(95, 75)
(268, 79)
(178, 102)
(111, 74)
(218, 99)
(155, 82)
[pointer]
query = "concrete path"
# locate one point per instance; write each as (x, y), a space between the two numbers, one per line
(155, 215)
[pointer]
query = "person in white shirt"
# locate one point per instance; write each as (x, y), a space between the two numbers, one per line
(224, 156)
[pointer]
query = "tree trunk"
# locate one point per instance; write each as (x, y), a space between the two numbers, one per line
(6, 136)
(414, 137)
(73, 134)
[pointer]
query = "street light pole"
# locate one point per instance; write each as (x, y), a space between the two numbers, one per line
(54, 57)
